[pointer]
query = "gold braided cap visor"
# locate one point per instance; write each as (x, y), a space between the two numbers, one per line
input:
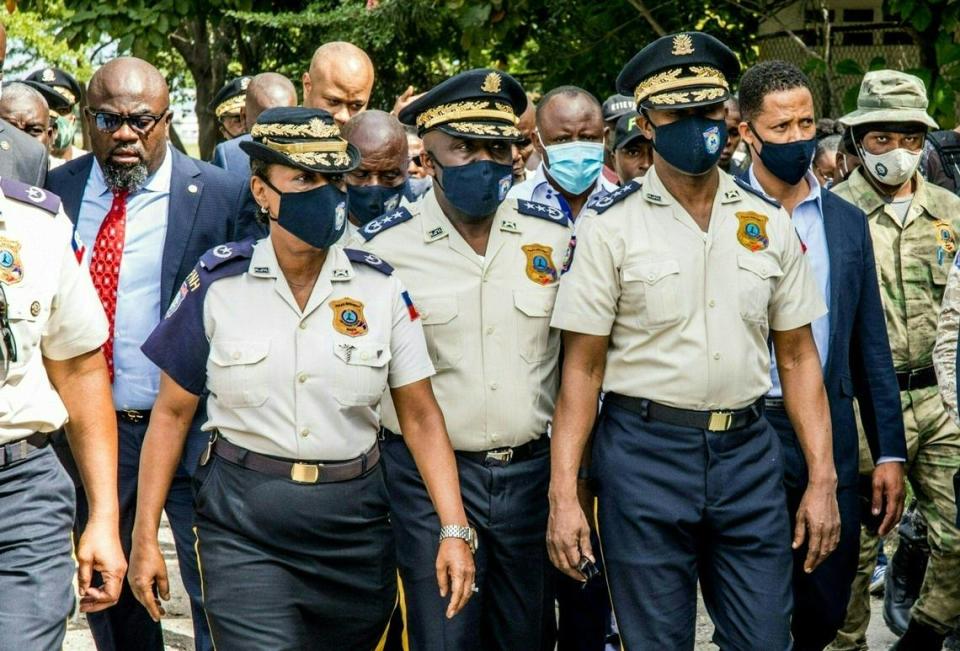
(231, 106)
(329, 146)
(676, 79)
(66, 94)
(466, 111)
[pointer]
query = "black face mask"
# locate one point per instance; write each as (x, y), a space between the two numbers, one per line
(788, 161)
(317, 216)
(692, 144)
(476, 189)
(367, 202)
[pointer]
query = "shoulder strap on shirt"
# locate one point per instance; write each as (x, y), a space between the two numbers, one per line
(369, 259)
(601, 204)
(749, 188)
(542, 211)
(30, 194)
(374, 227)
(220, 255)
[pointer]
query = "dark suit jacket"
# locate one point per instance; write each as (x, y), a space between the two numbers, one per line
(207, 207)
(23, 158)
(859, 363)
(230, 157)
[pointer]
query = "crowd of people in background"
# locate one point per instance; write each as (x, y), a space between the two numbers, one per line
(397, 376)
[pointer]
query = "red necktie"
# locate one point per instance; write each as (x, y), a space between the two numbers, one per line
(105, 264)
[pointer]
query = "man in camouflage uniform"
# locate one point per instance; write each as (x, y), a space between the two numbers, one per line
(914, 225)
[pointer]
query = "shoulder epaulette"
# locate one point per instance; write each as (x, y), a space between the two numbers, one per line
(602, 204)
(542, 211)
(383, 222)
(219, 255)
(749, 188)
(369, 259)
(31, 194)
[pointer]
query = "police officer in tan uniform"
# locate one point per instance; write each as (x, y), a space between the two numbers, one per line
(673, 289)
(296, 340)
(51, 330)
(484, 273)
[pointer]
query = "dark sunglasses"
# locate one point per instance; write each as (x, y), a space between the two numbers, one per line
(6, 334)
(141, 123)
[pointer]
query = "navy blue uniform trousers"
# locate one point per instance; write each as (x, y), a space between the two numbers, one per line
(820, 598)
(507, 504)
(677, 504)
(291, 567)
(36, 561)
(127, 625)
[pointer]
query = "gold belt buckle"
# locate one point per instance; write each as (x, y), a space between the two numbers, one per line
(305, 473)
(720, 421)
(503, 456)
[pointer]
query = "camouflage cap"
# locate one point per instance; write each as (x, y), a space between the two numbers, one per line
(890, 96)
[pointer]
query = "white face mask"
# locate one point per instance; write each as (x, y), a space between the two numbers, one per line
(893, 168)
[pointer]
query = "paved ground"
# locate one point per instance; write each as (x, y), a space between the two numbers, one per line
(178, 630)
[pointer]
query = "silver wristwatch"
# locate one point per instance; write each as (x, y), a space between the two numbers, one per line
(466, 533)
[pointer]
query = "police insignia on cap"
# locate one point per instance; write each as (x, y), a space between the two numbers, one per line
(348, 317)
(682, 45)
(48, 75)
(540, 267)
(752, 231)
(11, 267)
(491, 83)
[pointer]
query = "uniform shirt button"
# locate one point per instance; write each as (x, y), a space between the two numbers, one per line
(304, 432)
(716, 355)
(236, 355)
(303, 325)
(650, 276)
(494, 437)
(302, 378)
(493, 386)
(490, 330)
(712, 303)
(365, 356)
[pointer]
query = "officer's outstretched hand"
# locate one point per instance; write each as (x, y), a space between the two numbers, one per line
(568, 536)
(99, 550)
(818, 523)
(148, 576)
(888, 494)
(455, 573)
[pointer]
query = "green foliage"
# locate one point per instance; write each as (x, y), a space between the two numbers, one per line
(31, 35)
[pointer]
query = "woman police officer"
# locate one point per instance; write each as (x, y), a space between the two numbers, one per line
(296, 339)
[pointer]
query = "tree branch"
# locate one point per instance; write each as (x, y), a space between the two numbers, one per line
(783, 26)
(642, 8)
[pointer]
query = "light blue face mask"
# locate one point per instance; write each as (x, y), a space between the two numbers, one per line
(575, 165)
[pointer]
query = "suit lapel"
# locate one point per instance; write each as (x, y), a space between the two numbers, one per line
(186, 187)
(835, 243)
(71, 193)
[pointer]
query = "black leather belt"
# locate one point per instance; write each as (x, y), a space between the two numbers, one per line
(134, 415)
(302, 472)
(18, 450)
(496, 456)
(774, 403)
(920, 378)
(722, 420)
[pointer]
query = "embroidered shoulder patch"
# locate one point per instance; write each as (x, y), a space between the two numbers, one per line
(383, 222)
(602, 204)
(541, 211)
(218, 255)
(13, 189)
(749, 188)
(369, 259)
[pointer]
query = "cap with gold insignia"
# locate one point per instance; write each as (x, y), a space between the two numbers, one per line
(304, 138)
(680, 71)
(890, 97)
(55, 101)
(60, 81)
(231, 98)
(627, 131)
(476, 104)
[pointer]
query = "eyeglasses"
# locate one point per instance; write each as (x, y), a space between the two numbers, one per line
(141, 123)
(6, 335)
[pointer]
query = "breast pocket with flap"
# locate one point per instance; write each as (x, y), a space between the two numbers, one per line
(237, 374)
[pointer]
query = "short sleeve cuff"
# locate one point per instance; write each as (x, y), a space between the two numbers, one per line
(74, 348)
(409, 377)
(577, 323)
(794, 320)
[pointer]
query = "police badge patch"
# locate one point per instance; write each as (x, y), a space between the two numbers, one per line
(11, 267)
(348, 317)
(711, 140)
(946, 240)
(540, 267)
(752, 231)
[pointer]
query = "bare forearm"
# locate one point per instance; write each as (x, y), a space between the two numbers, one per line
(572, 422)
(159, 457)
(84, 387)
(806, 403)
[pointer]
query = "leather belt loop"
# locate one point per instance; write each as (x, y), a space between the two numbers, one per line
(645, 409)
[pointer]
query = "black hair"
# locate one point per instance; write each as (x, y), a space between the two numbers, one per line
(764, 78)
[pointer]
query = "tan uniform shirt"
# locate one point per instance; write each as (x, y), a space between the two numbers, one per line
(487, 319)
(296, 384)
(688, 312)
(53, 311)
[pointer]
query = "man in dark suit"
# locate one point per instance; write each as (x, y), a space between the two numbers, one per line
(266, 90)
(779, 126)
(138, 200)
(21, 156)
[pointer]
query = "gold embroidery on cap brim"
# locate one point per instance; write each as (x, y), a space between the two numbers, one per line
(682, 45)
(465, 111)
(232, 105)
(704, 95)
(674, 79)
(503, 131)
(66, 94)
(307, 147)
(338, 161)
(315, 128)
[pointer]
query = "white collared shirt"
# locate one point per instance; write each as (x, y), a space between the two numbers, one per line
(538, 188)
